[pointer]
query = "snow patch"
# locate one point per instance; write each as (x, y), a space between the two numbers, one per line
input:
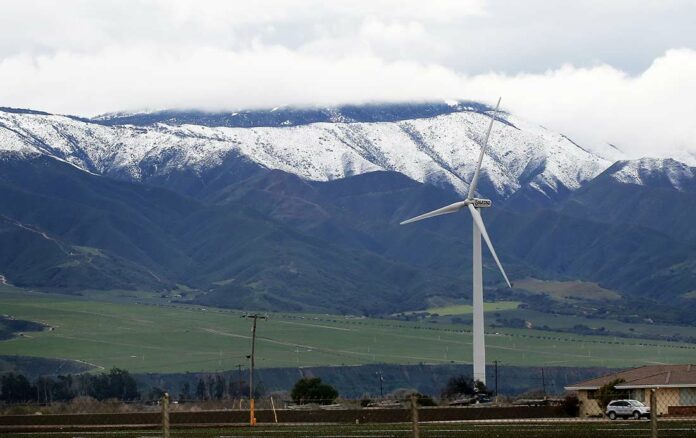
(442, 149)
(645, 170)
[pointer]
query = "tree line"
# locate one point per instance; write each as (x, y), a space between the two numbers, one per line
(118, 384)
(217, 388)
(115, 384)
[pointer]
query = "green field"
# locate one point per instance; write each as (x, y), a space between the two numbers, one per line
(463, 309)
(555, 321)
(176, 338)
(567, 289)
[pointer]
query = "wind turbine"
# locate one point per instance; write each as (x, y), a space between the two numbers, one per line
(479, 229)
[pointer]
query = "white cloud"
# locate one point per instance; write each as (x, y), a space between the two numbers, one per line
(575, 68)
(647, 114)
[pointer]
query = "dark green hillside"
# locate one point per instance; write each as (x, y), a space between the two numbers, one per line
(615, 255)
(129, 220)
(243, 236)
(657, 206)
(30, 256)
(364, 211)
(34, 367)
(67, 229)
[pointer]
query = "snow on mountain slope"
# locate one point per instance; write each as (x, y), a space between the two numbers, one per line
(655, 171)
(441, 149)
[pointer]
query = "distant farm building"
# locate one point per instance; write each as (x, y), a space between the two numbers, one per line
(675, 386)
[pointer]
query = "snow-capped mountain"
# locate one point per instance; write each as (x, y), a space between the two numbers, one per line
(199, 206)
(656, 172)
(440, 149)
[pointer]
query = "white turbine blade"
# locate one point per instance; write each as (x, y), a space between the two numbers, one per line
(452, 208)
(482, 228)
(474, 181)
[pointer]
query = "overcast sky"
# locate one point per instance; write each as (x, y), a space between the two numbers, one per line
(600, 71)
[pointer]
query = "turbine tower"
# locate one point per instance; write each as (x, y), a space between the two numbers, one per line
(474, 204)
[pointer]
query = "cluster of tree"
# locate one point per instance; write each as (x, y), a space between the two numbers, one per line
(459, 386)
(313, 390)
(116, 384)
(510, 323)
(217, 388)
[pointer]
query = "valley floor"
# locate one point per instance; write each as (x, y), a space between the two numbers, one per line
(166, 338)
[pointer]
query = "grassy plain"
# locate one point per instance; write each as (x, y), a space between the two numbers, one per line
(178, 338)
(567, 289)
(555, 321)
(463, 309)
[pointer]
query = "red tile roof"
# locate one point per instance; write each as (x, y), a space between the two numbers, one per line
(650, 376)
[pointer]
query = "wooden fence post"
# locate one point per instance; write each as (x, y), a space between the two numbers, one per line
(275, 415)
(165, 415)
(414, 415)
(653, 413)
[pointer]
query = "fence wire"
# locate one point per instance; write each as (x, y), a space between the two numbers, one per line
(651, 412)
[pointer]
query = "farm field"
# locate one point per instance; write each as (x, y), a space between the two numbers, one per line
(539, 319)
(179, 338)
(567, 289)
(463, 309)
(566, 322)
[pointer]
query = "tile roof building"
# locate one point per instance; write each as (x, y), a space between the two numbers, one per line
(675, 386)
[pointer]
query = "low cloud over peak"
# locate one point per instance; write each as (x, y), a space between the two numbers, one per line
(587, 77)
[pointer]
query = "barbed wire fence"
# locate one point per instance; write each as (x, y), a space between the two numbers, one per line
(667, 412)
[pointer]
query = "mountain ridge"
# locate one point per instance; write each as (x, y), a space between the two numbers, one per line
(441, 149)
(292, 115)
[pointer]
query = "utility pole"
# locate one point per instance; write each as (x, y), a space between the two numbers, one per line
(496, 379)
(239, 378)
(254, 318)
(543, 382)
(381, 389)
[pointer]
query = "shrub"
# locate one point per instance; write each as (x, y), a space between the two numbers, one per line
(458, 386)
(312, 390)
(425, 400)
(571, 405)
(608, 392)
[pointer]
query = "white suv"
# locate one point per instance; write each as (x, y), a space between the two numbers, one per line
(627, 409)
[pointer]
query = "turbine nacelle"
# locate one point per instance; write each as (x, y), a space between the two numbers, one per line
(480, 203)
